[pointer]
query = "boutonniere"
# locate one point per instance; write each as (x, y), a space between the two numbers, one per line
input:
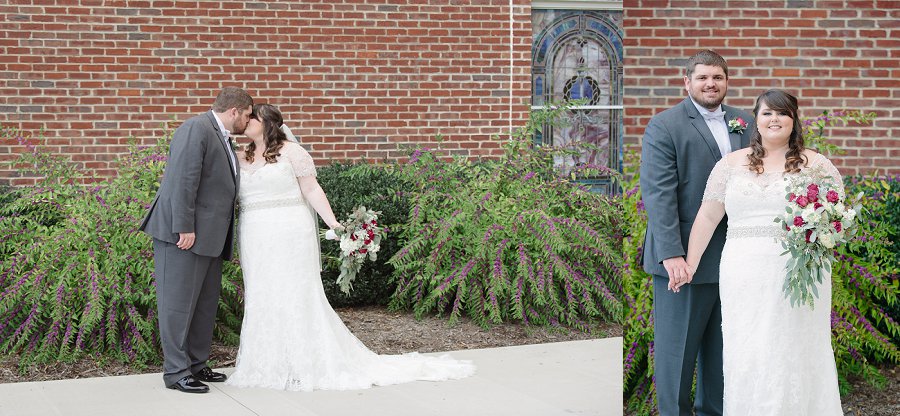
(234, 145)
(737, 125)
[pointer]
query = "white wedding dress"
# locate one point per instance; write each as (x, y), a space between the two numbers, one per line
(291, 338)
(778, 359)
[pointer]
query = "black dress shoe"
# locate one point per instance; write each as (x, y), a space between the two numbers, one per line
(206, 374)
(189, 384)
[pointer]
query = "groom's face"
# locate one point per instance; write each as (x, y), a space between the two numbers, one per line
(707, 85)
(241, 119)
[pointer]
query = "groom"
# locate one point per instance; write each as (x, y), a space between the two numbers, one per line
(680, 147)
(191, 222)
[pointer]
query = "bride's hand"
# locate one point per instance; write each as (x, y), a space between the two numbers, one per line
(332, 234)
(678, 271)
(689, 270)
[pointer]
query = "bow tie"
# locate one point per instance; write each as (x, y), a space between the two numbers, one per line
(718, 115)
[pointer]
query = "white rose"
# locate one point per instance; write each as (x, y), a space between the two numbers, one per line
(827, 240)
(849, 215)
(346, 245)
(813, 217)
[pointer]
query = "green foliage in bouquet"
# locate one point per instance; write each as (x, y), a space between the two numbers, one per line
(75, 274)
(864, 282)
(508, 239)
(347, 187)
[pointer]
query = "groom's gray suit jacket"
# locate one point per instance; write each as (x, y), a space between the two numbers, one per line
(679, 153)
(198, 190)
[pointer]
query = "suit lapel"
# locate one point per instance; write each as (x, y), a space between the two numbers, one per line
(701, 127)
(226, 147)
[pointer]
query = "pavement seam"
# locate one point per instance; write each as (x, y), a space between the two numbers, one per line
(235, 400)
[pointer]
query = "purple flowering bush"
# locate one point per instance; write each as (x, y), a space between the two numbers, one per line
(75, 274)
(864, 318)
(508, 240)
(865, 330)
(640, 394)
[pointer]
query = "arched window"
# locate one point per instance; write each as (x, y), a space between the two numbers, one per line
(577, 54)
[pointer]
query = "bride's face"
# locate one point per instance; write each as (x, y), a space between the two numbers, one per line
(774, 126)
(254, 128)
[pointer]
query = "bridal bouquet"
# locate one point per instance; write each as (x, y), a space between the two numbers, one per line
(359, 239)
(817, 220)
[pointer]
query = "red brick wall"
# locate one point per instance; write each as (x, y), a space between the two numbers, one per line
(834, 55)
(356, 78)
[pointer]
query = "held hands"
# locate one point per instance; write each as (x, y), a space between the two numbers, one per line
(680, 272)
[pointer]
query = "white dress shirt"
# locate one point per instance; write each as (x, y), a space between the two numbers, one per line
(225, 138)
(715, 120)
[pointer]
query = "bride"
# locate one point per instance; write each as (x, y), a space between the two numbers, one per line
(777, 358)
(291, 338)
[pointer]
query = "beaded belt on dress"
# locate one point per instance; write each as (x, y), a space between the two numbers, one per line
(755, 231)
(273, 203)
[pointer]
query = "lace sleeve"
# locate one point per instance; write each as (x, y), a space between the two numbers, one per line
(715, 185)
(300, 160)
(827, 169)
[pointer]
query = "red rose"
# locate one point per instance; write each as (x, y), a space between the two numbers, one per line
(371, 234)
(365, 226)
(808, 233)
(802, 201)
(353, 237)
(832, 196)
(817, 205)
(798, 221)
(837, 226)
(812, 192)
(362, 251)
(792, 197)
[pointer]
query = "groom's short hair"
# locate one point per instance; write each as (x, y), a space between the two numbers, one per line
(705, 57)
(232, 97)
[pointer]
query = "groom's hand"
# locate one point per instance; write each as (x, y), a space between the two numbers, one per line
(679, 272)
(186, 240)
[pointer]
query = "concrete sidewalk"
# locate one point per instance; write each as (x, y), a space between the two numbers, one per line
(566, 378)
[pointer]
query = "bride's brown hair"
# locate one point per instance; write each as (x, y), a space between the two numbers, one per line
(779, 101)
(273, 137)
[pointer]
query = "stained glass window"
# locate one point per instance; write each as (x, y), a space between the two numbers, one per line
(577, 54)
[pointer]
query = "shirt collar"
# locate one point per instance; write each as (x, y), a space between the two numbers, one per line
(702, 109)
(221, 126)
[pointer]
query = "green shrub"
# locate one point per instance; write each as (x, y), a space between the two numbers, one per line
(882, 201)
(76, 275)
(640, 394)
(349, 186)
(508, 239)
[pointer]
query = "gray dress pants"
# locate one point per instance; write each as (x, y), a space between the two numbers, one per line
(187, 293)
(688, 334)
